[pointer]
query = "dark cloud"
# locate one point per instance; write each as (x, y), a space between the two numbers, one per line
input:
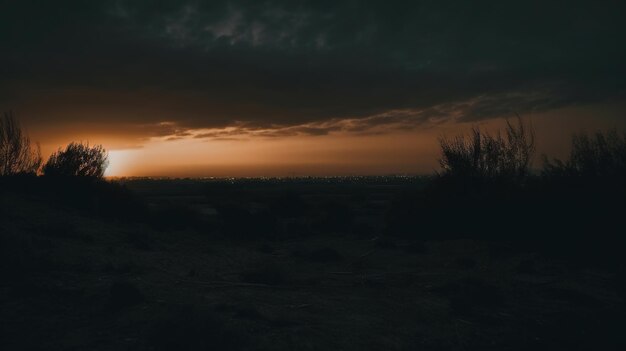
(273, 68)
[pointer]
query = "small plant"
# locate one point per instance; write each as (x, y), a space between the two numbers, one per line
(77, 160)
(16, 154)
(486, 156)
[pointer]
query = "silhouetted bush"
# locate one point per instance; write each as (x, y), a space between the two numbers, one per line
(484, 187)
(600, 155)
(485, 156)
(484, 183)
(77, 160)
(16, 154)
(574, 211)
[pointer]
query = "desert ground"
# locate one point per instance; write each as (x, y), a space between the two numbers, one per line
(284, 265)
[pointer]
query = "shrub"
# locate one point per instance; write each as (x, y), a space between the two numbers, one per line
(16, 154)
(486, 156)
(600, 155)
(77, 160)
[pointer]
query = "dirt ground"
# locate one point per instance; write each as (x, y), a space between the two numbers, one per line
(75, 282)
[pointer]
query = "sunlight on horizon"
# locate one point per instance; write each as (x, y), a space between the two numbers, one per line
(398, 152)
(120, 161)
(327, 155)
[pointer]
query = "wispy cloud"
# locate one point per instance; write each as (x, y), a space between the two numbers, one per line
(475, 109)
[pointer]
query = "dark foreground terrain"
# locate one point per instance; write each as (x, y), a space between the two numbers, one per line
(340, 264)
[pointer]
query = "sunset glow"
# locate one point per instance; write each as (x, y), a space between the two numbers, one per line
(413, 151)
(312, 174)
(213, 90)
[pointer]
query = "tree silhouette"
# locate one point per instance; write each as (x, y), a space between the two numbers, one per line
(77, 160)
(16, 154)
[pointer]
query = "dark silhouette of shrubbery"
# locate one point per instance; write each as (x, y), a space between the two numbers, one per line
(17, 156)
(486, 156)
(582, 198)
(77, 160)
(600, 155)
(486, 191)
(482, 189)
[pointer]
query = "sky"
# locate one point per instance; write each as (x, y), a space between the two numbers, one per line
(296, 87)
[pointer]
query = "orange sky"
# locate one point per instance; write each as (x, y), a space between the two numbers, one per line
(390, 152)
(279, 88)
